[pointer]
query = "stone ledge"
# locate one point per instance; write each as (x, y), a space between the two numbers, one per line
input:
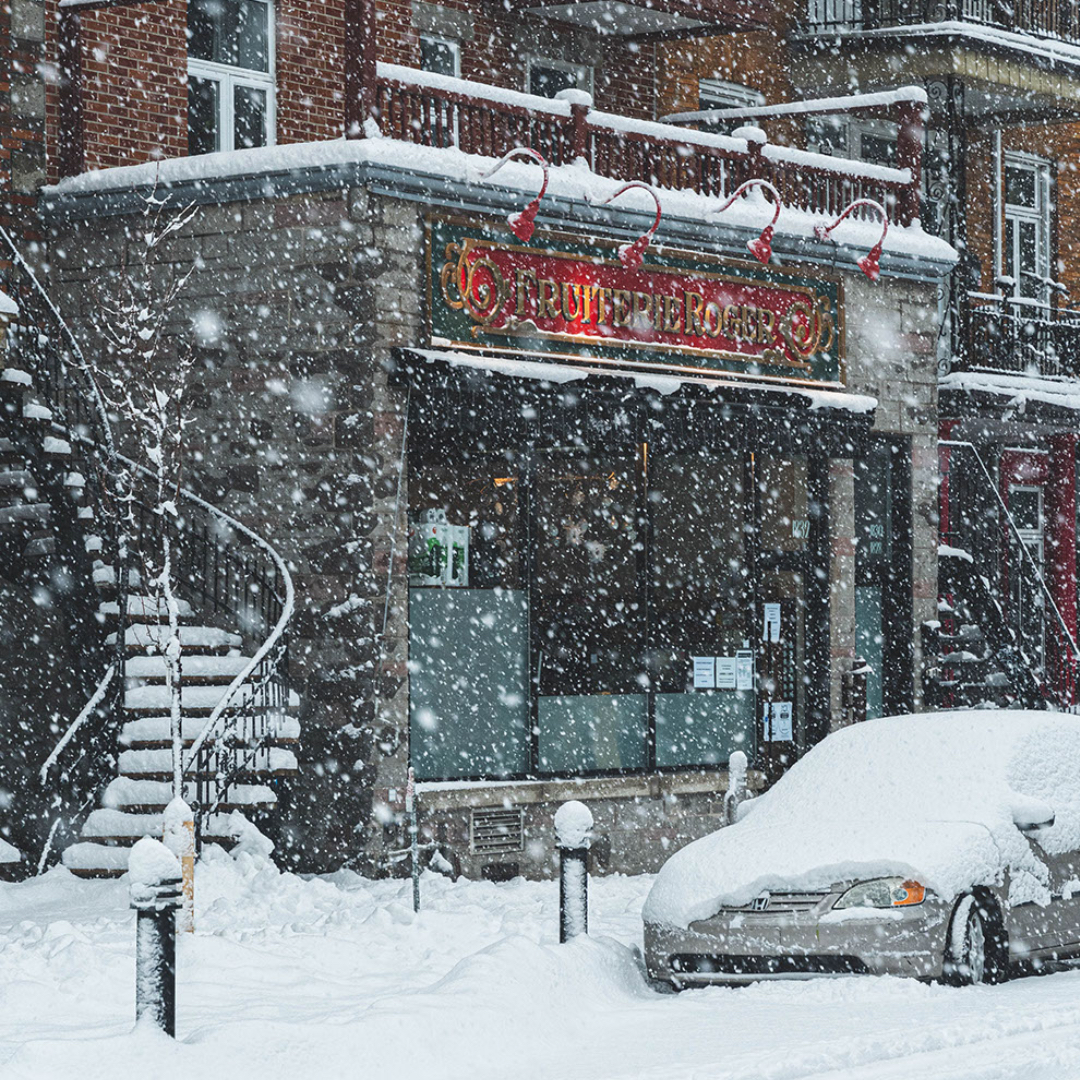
(464, 795)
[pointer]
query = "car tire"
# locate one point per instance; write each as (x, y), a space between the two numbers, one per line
(975, 951)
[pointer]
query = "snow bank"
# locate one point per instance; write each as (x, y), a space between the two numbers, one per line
(9, 854)
(930, 797)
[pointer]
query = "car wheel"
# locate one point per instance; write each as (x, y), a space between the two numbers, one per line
(974, 951)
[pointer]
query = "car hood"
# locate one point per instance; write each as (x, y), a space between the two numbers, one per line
(740, 862)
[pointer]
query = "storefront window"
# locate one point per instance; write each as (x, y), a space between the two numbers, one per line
(468, 614)
(606, 608)
(873, 560)
(589, 613)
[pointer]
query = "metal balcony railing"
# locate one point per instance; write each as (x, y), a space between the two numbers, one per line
(1004, 334)
(1039, 18)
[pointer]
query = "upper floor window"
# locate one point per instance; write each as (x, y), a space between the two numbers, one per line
(1026, 241)
(548, 77)
(440, 56)
(230, 75)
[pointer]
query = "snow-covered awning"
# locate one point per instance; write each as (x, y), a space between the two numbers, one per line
(558, 373)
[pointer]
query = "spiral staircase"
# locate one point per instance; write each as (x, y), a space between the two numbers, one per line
(97, 776)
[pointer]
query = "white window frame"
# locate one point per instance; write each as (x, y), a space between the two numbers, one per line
(723, 94)
(584, 72)
(450, 43)
(1040, 215)
(229, 77)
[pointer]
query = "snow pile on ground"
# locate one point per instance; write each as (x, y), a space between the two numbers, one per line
(931, 797)
(336, 977)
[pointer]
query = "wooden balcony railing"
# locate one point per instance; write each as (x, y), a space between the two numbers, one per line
(431, 110)
(1038, 18)
(1002, 334)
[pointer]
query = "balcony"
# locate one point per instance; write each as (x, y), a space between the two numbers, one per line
(1052, 19)
(430, 110)
(1019, 337)
(635, 19)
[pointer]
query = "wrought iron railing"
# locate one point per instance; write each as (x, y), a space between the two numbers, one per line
(1009, 335)
(1038, 18)
(236, 580)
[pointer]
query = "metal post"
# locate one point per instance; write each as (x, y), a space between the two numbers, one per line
(573, 827)
(156, 895)
(414, 837)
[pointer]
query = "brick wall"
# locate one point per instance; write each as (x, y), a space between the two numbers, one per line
(135, 68)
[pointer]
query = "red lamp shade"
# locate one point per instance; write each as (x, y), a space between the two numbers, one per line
(523, 223)
(870, 263)
(633, 255)
(761, 248)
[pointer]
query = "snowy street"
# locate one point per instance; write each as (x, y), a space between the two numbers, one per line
(336, 977)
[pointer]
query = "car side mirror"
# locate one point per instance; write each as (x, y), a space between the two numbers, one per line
(1032, 816)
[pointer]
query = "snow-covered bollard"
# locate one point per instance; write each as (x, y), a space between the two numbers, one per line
(573, 825)
(156, 894)
(736, 792)
(178, 835)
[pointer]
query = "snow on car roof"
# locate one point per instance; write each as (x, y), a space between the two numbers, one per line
(930, 796)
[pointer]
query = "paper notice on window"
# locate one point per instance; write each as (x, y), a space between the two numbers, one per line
(704, 673)
(727, 673)
(744, 670)
(781, 728)
(771, 630)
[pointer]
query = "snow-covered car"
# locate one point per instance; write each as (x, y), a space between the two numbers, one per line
(942, 845)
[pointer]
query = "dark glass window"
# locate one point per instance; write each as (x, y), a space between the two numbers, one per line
(233, 32)
(438, 56)
(203, 110)
(546, 80)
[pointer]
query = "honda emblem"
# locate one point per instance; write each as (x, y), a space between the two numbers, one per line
(760, 903)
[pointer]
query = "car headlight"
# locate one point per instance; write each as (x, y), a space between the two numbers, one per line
(888, 892)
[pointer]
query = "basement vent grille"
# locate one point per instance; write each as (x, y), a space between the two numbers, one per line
(496, 831)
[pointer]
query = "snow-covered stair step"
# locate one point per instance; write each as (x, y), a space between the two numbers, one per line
(152, 796)
(155, 732)
(145, 609)
(105, 576)
(39, 547)
(20, 479)
(144, 636)
(55, 447)
(86, 513)
(17, 376)
(34, 410)
(114, 826)
(196, 699)
(92, 542)
(36, 513)
(195, 668)
(157, 764)
(90, 860)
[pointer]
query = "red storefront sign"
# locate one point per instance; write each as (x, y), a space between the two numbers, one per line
(679, 310)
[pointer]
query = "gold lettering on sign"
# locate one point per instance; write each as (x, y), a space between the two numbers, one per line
(547, 304)
(479, 285)
(622, 307)
(571, 292)
(813, 332)
(695, 313)
(522, 276)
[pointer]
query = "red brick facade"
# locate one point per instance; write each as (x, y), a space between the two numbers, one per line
(134, 70)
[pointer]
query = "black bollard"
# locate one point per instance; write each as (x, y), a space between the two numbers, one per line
(573, 824)
(156, 895)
